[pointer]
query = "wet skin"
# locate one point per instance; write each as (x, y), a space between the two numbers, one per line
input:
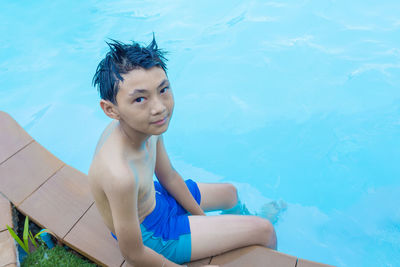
(144, 98)
(129, 153)
(131, 150)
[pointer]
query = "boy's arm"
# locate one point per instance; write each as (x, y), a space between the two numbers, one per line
(122, 194)
(173, 182)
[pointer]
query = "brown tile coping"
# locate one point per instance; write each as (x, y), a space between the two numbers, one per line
(7, 249)
(307, 263)
(5, 211)
(254, 256)
(67, 191)
(199, 263)
(7, 246)
(91, 238)
(12, 136)
(25, 171)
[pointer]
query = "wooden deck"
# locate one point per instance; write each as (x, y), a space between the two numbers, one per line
(57, 196)
(8, 256)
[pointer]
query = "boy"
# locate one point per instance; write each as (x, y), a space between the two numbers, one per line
(156, 223)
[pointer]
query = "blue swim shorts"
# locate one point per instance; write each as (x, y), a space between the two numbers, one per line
(166, 229)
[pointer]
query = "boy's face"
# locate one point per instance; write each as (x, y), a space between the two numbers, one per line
(144, 100)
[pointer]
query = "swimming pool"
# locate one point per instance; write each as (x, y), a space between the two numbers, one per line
(296, 101)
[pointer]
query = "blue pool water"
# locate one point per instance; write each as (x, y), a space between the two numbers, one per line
(296, 102)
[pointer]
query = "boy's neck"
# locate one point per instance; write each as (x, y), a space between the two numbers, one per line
(137, 140)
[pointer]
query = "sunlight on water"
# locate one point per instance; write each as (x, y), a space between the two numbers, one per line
(296, 103)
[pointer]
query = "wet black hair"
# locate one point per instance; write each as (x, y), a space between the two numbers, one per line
(121, 59)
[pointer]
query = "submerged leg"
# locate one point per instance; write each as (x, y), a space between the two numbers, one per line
(217, 196)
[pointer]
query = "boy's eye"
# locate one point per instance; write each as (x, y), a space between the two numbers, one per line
(164, 89)
(139, 99)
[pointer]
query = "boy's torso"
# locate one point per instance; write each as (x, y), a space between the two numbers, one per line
(113, 155)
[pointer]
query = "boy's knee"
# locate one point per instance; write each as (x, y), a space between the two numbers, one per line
(266, 233)
(233, 196)
(269, 234)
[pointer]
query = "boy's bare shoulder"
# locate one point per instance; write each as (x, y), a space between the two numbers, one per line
(109, 167)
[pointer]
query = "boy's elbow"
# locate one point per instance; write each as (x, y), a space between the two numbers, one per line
(132, 254)
(139, 260)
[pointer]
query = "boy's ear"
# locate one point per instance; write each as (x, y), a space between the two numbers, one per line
(109, 109)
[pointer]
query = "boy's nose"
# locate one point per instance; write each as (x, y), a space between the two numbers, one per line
(158, 107)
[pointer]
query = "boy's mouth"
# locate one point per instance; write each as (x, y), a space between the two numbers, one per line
(160, 122)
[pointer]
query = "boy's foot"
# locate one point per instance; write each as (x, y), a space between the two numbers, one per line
(239, 209)
(272, 210)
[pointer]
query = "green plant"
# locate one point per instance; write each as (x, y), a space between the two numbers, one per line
(57, 256)
(26, 234)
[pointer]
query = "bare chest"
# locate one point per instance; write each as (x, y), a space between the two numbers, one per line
(143, 171)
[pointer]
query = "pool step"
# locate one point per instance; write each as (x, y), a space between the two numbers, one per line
(57, 196)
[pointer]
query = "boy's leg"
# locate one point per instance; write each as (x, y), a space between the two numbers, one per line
(212, 235)
(217, 196)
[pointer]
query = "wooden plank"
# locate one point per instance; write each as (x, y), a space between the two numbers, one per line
(12, 137)
(24, 172)
(254, 256)
(91, 238)
(307, 263)
(199, 263)
(6, 215)
(7, 249)
(67, 191)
